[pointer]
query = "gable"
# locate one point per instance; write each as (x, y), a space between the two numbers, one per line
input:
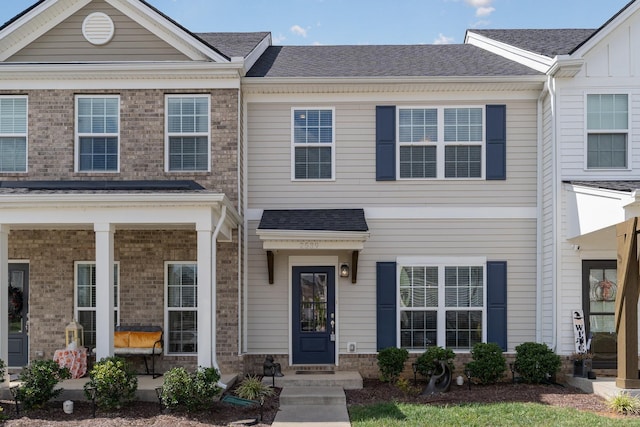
(66, 43)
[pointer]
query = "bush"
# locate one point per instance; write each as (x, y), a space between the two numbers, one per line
(193, 391)
(114, 381)
(535, 362)
(38, 382)
(2, 370)
(252, 388)
(488, 364)
(429, 360)
(623, 403)
(391, 363)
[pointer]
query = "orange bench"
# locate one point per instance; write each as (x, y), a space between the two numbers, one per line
(135, 340)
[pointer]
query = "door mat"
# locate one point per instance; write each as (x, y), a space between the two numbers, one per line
(314, 372)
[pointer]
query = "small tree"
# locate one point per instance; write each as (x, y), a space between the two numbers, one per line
(38, 383)
(535, 362)
(391, 363)
(488, 364)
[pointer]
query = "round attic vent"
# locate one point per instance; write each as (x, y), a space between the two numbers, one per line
(98, 28)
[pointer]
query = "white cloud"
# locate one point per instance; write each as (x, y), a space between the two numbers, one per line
(278, 39)
(298, 30)
(442, 39)
(483, 7)
(484, 11)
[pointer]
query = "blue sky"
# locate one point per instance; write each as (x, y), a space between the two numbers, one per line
(336, 22)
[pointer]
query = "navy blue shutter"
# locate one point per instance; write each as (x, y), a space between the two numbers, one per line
(497, 303)
(496, 134)
(386, 304)
(386, 143)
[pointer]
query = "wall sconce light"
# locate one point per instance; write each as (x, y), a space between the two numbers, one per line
(344, 270)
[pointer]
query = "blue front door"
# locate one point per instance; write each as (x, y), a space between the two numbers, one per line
(18, 344)
(313, 320)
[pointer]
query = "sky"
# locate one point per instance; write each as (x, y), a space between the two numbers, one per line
(359, 22)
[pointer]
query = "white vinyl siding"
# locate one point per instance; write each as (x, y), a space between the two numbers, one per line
(607, 127)
(85, 299)
(313, 144)
(97, 133)
(181, 308)
(188, 133)
(13, 134)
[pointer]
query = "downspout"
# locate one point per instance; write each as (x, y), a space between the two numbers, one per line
(555, 208)
(214, 296)
(241, 209)
(245, 222)
(539, 222)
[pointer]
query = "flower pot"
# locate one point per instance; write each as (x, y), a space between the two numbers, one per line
(581, 368)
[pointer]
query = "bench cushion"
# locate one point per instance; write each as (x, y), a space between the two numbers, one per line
(121, 339)
(137, 351)
(144, 339)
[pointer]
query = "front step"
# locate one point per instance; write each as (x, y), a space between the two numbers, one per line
(312, 395)
(347, 380)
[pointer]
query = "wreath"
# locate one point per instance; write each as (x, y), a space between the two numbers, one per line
(15, 303)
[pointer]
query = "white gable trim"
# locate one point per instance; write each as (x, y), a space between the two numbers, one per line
(530, 59)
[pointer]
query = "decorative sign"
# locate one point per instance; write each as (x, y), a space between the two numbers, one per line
(579, 333)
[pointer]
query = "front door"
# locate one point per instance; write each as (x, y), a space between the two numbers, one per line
(599, 297)
(313, 315)
(18, 314)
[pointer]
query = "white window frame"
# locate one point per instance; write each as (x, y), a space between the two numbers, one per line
(79, 135)
(441, 263)
(167, 309)
(441, 144)
(311, 145)
(76, 308)
(588, 131)
(168, 135)
(24, 135)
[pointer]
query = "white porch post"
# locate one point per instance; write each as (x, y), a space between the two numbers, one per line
(206, 311)
(4, 296)
(104, 290)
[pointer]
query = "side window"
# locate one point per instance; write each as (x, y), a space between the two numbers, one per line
(607, 131)
(313, 145)
(97, 133)
(181, 308)
(188, 133)
(418, 140)
(463, 137)
(85, 301)
(13, 134)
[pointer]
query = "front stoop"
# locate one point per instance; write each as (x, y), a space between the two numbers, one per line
(347, 380)
(312, 405)
(605, 387)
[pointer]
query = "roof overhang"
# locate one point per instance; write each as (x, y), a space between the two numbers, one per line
(565, 66)
(312, 240)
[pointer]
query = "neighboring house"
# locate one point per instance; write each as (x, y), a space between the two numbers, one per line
(392, 200)
(590, 167)
(120, 185)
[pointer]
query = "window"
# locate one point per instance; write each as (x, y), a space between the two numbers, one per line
(182, 307)
(440, 142)
(441, 305)
(188, 124)
(13, 134)
(85, 301)
(313, 144)
(97, 130)
(607, 131)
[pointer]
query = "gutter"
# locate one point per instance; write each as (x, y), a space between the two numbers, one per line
(214, 297)
(556, 219)
(539, 222)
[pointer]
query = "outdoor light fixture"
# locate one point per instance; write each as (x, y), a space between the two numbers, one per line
(344, 270)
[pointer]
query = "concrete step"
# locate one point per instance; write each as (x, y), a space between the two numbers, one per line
(348, 380)
(312, 395)
(312, 415)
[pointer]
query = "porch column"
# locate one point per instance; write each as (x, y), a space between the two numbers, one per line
(4, 295)
(104, 290)
(206, 310)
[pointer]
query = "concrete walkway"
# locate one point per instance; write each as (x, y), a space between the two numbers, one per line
(310, 406)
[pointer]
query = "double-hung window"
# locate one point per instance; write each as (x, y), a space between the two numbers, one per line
(313, 148)
(85, 300)
(440, 142)
(188, 133)
(98, 133)
(13, 134)
(607, 131)
(182, 307)
(442, 304)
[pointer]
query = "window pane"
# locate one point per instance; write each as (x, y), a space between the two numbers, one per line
(13, 115)
(607, 111)
(13, 154)
(183, 332)
(313, 163)
(313, 126)
(418, 161)
(188, 153)
(188, 116)
(418, 125)
(463, 161)
(418, 329)
(607, 150)
(463, 124)
(182, 304)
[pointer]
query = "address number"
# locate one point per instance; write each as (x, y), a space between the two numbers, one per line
(309, 244)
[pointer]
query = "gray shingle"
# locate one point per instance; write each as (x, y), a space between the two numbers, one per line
(547, 42)
(314, 220)
(628, 186)
(234, 44)
(384, 61)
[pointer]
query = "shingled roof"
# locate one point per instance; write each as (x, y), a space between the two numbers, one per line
(547, 42)
(314, 220)
(627, 186)
(234, 44)
(457, 60)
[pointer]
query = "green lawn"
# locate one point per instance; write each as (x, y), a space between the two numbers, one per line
(502, 414)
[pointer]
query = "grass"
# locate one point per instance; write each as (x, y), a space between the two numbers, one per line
(500, 414)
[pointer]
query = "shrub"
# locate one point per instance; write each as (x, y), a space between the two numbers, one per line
(391, 363)
(535, 362)
(2, 370)
(405, 386)
(114, 381)
(623, 403)
(429, 360)
(252, 388)
(488, 364)
(38, 382)
(193, 391)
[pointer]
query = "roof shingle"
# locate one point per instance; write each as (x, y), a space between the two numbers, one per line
(547, 42)
(314, 220)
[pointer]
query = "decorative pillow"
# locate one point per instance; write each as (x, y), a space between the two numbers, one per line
(121, 339)
(143, 339)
